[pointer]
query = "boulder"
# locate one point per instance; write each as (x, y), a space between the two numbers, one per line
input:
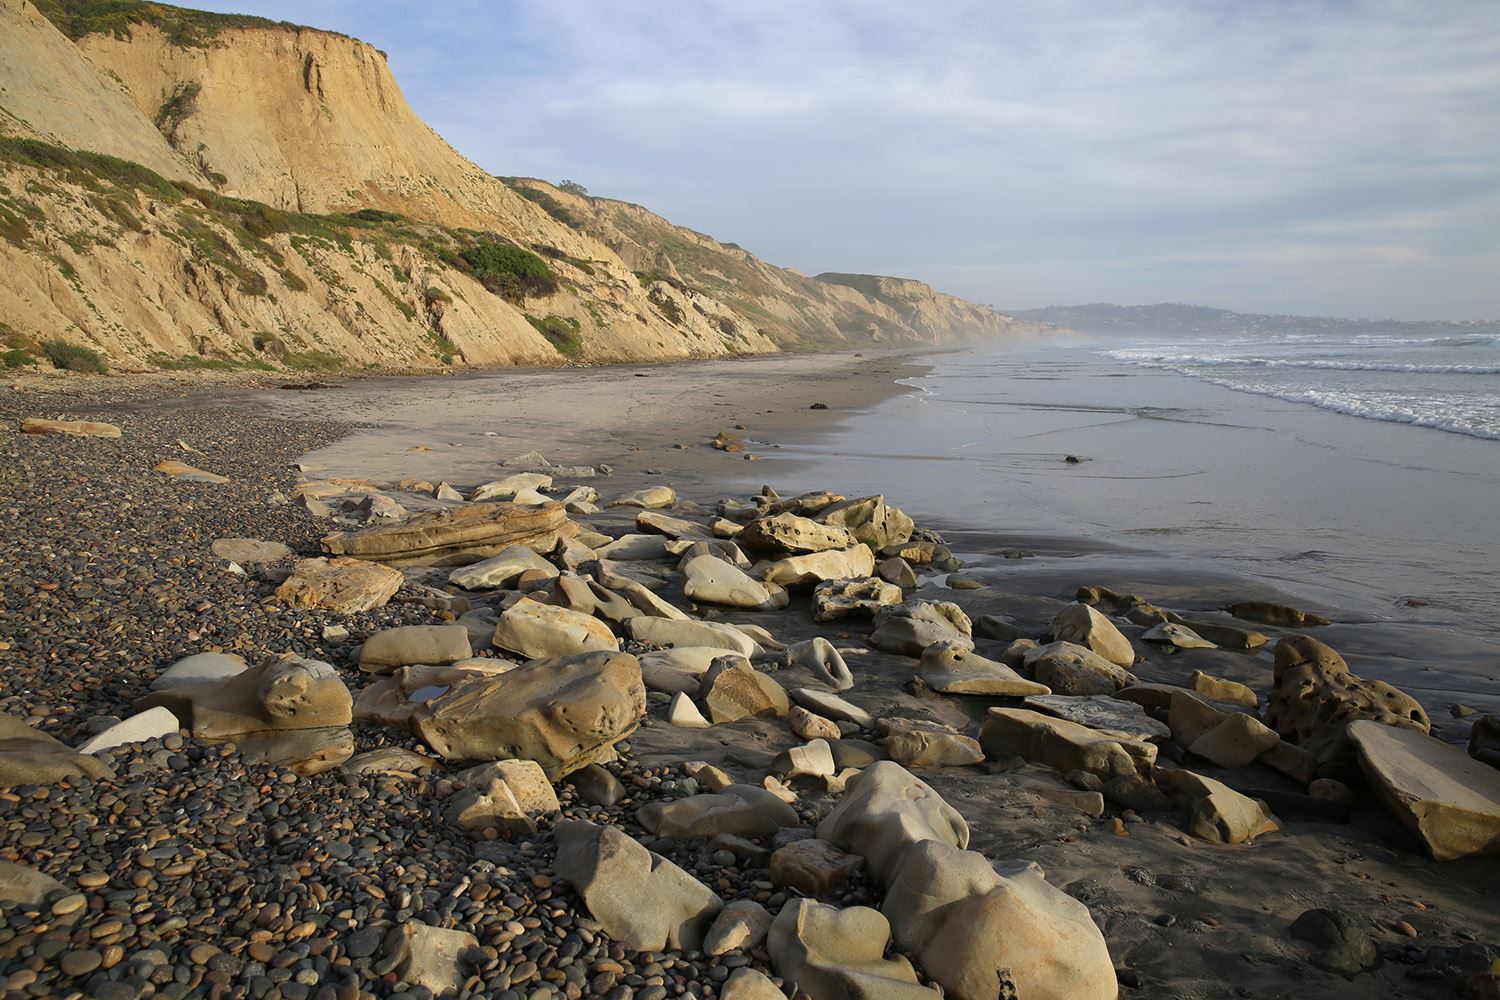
(456, 536)
(710, 580)
(70, 428)
(279, 695)
(794, 535)
(650, 498)
(188, 473)
(503, 489)
(1109, 716)
(954, 669)
(436, 645)
(731, 690)
(197, 668)
(615, 876)
(916, 743)
(834, 954)
(870, 521)
(535, 630)
(908, 629)
(1189, 716)
(809, 726)
(897, 571)
(27, 886)
(740, 926)
(249, 550)
(500, 570)
(813, 759)
(738, 810)
(812, 866)
(633, 547)
(1219, 814)
(1084, 626)
(345, 586)
(301, 751)
(1450, 801)
(1067, 746)
(151, 724)
(1174, 636)
(857, 598)
(1069, 668)
(1236, 741)
(1339, 943)
(31, 757)
(1228, 636)
(686, 632)
(746, 983)
(823, 660)
(684, 714)
(1484, 740)
(563, 713)
(394, 762)
(1219, 689)
(431, 957)
(818, 567)
(982, 932)
(1266, 613)
(832, 706)
(886, 809)
(504, 794)
(595, 786)
(652, 522)
(1314, 697)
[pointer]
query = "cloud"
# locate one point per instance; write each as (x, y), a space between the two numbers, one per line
(962, 141)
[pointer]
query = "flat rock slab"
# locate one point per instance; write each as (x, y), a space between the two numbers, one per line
(250, 550)
(1108, 715)
(456, 536)
(181, 470)
(1448, 799)
(72, 428)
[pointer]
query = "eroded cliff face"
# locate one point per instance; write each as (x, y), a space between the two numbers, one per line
(314, 125)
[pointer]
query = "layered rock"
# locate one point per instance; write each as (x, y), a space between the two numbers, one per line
(345, 586)
(818, 567)
(456, 536)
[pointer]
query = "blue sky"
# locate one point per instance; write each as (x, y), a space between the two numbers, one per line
(1311, 156)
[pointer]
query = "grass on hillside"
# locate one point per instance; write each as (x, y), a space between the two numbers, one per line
(73, 357)
(183, 27)
(562, 332)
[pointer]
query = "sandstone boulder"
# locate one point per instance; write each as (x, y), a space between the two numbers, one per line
(810, 726)
(740, 926)
(345, 586)
(641, 899)
(732, 690)
(794, 535)
(535, 630)
(834, 954)
(1267, 613)
(151, 724)
(870, 520)
(503, 489)
(857, 598)
(738, 810)
(1067, 746)
(832, 706)
(1084, 626)
(562, 713)
(1109, 716)
(1174, 636)
(456, 536)
(650, 498)
(686, 632)
(917, 743)
(31, 757)
(710, 580)
(886, 809)
(500, 570)
(1219, 814)
(812, 866)
(1236, 741)
(818, 567)
(70, 428)
(898, 571)
(281, 694)
(249, 550)
(188, 473)
(431, 957)
(823, 660)
(27, 886)
(908, 629)
(953, 669)
(436, 645)
(746, 983)
(1220, 689)
(1068, 668)
(503, 794)
(1450, 801)
(197, 668)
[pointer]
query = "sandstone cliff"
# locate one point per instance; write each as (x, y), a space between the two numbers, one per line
(296, 211)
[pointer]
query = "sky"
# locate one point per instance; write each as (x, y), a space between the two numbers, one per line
(1308, 156)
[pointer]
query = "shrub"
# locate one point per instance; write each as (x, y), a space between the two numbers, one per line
(16, 358)
(73, 357)
(561, 332)
(374, 215)
(509, 271)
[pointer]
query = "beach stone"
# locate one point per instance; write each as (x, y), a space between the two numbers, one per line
(342, 585)
(740, 926)
(856, 754)
(1072, 669)
(280, 695)
(1236, 741)
(379, 507)
(898, 572)
(70, 428)
(1450, 801)
(500, 570)
(982, 931)
(506, 795)
(812, 866)
(916, 743)
(148, 725)
(1111, 716)
(732, 690)
(738, 810)
(1219, 814)
(954, 669)
(832, 706)
(707, 776)
(456, 536)
(1339, 943)
(858, 598)
(674, 528)
(1175, 636)
(249, 550)
(673, 632)
(1136, 791)
(634, 547)
(1219, 689)
(615, 875)
(396, 762)
(430, 957)
(502, 489)
(302, 751)
(813, 759)
(818, 567)
(1314, 697)
(536, 631)
(563, 713)
(198, 668)
(884, 810)
(908, 629)
(1484, 740)
(840, 954)
(436, 645)
(1058, 743)
(792, 534)
(1189, 716)
(1084, 626)
(1228, 636)
(870, 520)
(26, 886)
(684, 714)
(595, 786)
(1266, 613)
(188, 473)
(823, 659)
(681, 668)
(650, 498)
(808, 726)
(710, 580)
(746, 983)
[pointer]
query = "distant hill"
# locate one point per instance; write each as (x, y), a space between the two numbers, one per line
(1177, 319)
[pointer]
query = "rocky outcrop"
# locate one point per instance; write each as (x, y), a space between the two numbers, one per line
(456, 536)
